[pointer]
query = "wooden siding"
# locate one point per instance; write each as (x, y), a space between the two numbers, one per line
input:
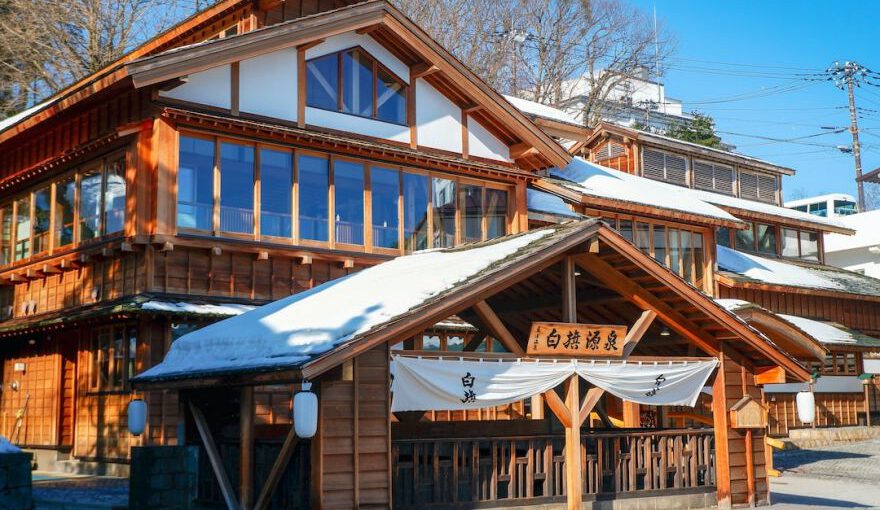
(351, 454)
(35, 397)
(852, 313)
(832, 410)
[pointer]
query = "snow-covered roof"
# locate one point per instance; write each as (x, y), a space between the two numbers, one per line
(184, 307)
(547, 203)
(542, 110)
(867, 233)
(826, 332)
(289, 332)
(12, 120)
(753, 268)
(595, 180)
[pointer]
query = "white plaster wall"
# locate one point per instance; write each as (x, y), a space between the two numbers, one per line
(352, 39)
(267, 85)
(438, 119)
(212, 87)
(483, 144)
(358, 125)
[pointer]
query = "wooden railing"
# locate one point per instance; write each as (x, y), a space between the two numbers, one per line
(531, 469)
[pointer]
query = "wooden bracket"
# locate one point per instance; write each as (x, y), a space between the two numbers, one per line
(555, 403)
(308, 45)
(305, 260)
(347, 264)
(423, 69)
(263, 255)
(278, 467)
(497, 328)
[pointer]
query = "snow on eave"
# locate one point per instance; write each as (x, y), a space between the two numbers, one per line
(293, 331)
(12, 120)
(541, 110)
(185, 307)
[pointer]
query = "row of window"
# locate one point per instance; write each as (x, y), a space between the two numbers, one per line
(764, 239)
(841, 208)
(315, 197)
(710, 176)
(680, 250)
(76, 208)
(837, 363)
(112, 363)
(353, 82)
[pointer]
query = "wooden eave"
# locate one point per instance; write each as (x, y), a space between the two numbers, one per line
(625, 207)
(115, 72)
(326, 140)
(563, 129)
(791, 338)
(785, 221)
(400, 36)
(734, 283)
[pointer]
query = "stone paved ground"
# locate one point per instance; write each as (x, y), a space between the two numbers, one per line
(845, 475)
(81, 492)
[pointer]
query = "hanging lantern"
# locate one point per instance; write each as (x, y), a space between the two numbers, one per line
(806, 406)
(305, 412)
(137, 416)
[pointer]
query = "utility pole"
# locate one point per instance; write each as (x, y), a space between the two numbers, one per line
(847, 77)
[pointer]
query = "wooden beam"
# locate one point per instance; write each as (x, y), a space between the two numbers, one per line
(559, 408)
(246, 465)
(573, 470)
(769, 375)
(637, 331)
(278, 468)
(214, 457)
(519, 150)
(497, 328)
(590, 401)
(471, 108)
(369, 29)
(423, 69)
(614, 279)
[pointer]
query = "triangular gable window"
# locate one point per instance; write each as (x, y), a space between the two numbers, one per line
(353, 82)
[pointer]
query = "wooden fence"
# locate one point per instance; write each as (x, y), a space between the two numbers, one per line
(531, 469)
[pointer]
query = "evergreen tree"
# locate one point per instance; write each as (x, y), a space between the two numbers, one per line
(699, 130)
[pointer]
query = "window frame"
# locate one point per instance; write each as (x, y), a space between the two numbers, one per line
(340, 93)
(97, 385)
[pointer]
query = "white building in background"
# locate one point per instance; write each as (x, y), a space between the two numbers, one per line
(861, 252)
(833, 205)
(634, 100)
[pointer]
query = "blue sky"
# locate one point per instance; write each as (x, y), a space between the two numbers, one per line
(776, 45)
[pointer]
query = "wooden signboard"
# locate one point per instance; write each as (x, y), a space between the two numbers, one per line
(568, 339)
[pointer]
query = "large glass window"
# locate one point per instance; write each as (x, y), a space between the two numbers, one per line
(113, 354)
(660, 244)
(674, 251)
(367, 88)
(42, 218)
(65, 192)
(471, 213)
(236, 188)
(745, 239)
(415, 211)
(809, 245)
(844, 207)
(195, 184)
(443, 200)
(643, 237)
(722, 236)
(687, 256)
(322, 82)
(314, 183)
(91, 185)
(114, 197)
(385, 189)
(6, 235)
(790, 243)
(276, 183)
(23, 228)
(496, 213)
(766, 239)
(349, 204)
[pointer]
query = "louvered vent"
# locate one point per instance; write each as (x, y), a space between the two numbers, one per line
(758, 187)
(676, 169)
(654, 164)
(610, 151)
(713, 177)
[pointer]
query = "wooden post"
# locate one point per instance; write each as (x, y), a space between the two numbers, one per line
(722, 448)
(866, 383)
(573, 474)
(246, 479)
(631, 415)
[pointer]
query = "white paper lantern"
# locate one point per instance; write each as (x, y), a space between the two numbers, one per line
(137, 416)
(305, 412)
(806, 406)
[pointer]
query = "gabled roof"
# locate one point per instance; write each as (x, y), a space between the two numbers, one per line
(316, 330)
(390, 28)
(740, 269)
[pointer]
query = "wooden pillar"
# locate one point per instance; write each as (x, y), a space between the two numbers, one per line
(866, 383)
(573, 474)
(721, 424)
(569, 297)
(632, 417)
(246, 488)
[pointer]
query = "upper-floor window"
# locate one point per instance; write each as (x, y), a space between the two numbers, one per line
(802, 244)
(353, 82)
(765, 239)
(713, 177)
(610, 150)
(680, 249)
(321, 198)
(755, 186)
(664, 166)
(844, 207)
(47, 218)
